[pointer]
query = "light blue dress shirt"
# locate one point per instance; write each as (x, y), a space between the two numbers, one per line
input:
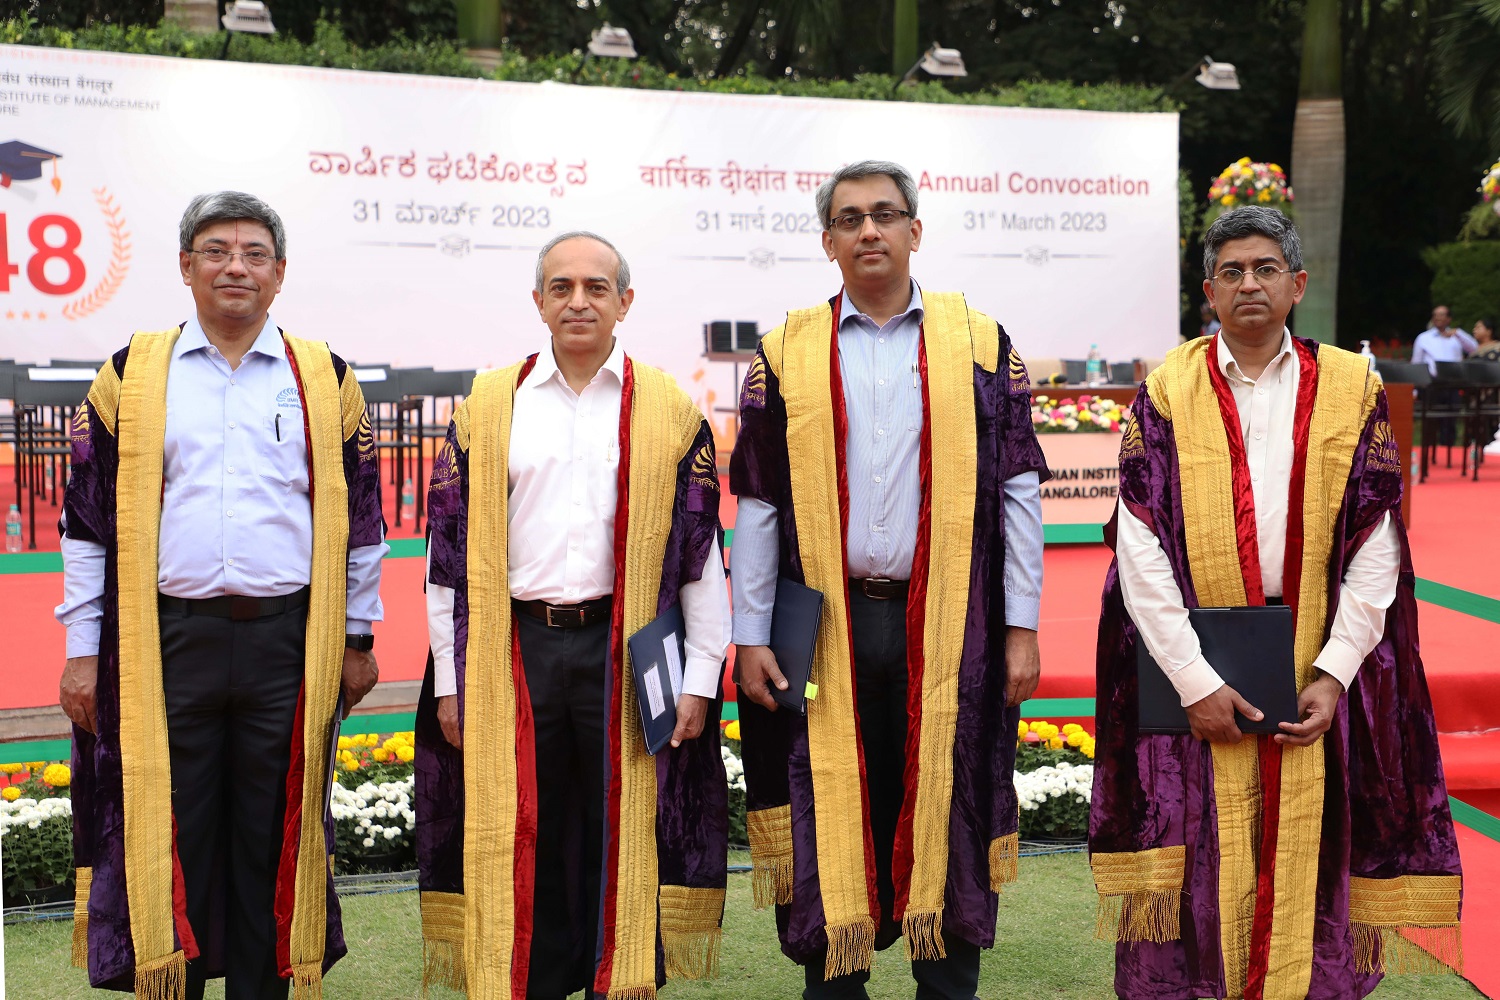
(236, 508)
(883, 399)
(1432, 346)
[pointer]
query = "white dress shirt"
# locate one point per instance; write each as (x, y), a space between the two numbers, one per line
(1266, 407)
(564, 459)
(1433, 345)
(236, 509)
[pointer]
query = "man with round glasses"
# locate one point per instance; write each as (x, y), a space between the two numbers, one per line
(1260, 469)
(886, 458)
(222, 539)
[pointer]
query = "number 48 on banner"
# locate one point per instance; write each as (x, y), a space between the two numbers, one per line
(43, 228)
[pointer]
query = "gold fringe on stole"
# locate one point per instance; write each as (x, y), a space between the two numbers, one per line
(800, 355)
(851, 947)
(442, 941)
(329, 407)
(690, 930)
(951, 350)
(144, 761)
(771, 866)
(162, 978)
(924, 935)
(633, 993)
(307, 981)
(1005, 860)
(1140, 894)
(490, 780)
(85, 879)
(663, 424)
(1407, 924)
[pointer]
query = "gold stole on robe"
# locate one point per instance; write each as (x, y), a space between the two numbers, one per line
(471, 939)
(137, 408)
(801, 354)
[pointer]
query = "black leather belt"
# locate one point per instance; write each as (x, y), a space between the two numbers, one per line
(567, 615)
(240, 609)
(878, 588)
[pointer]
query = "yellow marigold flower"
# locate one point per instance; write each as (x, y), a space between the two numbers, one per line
(1088, 750)
(58, 775)
(405, 754)
(1039, 725)
(10, 768)
(345, 743)
(1076, 739)
(409, 736)
(1228, 199)
(1265, 195)
(733, 730)
(1275, 167)
(1055, 743)
(10, 793)
(351, 765)
(33, 765)
(1071, 728)
(382, 754)
(1242, 161)
(1022, 730)
(390, 745)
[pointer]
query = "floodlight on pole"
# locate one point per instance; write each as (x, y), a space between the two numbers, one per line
(251, 17)
(611, 43)
(937, 61)
(1217, 75)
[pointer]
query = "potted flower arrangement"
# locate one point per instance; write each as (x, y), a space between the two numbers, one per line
(1054, 779)
(734, 773)
(36, 833)
(1247, 183)
(1483, 220)
(374, 818)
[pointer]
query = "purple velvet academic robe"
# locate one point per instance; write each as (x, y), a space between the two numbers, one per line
(777, 766)
(692, 793)
(1385, 810)
(98, 783)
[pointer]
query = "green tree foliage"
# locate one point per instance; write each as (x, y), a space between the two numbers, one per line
(1468, 54)
(1466, 277)
(76, 13)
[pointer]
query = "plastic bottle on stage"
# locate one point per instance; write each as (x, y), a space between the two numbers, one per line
(1369, 356)
(13, 529)
(408, 501)
(1095, 369)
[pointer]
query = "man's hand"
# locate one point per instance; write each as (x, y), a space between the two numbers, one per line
(360, 675)
(692, 709)
(447, 714)
(1023, 664)
(75, 693)
(757, 671)
(1315, 707)
(1212, 718)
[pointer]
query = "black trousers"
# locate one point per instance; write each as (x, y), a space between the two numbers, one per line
(231, 697)
(566, 677)
(879, 629)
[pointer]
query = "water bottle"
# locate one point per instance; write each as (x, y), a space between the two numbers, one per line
(408, 501)
(13, 529)
(1369, 356)
(1095, 367)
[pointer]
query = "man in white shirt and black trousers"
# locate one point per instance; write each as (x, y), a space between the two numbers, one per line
(575, 500)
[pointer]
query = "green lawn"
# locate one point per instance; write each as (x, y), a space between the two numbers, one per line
(1046, 931)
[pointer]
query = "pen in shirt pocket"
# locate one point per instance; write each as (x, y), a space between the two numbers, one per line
(278, 427)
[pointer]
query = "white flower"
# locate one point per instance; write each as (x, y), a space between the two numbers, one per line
(392, 832)
(368, 841)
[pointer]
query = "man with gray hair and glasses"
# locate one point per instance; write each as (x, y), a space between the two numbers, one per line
(886, 458)
(575, 500)
(222, 539)
(1290, 860)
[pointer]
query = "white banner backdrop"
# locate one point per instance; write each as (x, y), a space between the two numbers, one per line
(414, 207)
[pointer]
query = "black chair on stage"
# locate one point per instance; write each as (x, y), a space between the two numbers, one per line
(1446, 410)
(1419, 377)
(1075, 370)
(388, 424)
(1483, 392)
(422, 388)
(1122, 373)
(44, 417)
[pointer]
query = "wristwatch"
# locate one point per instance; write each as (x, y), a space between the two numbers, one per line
(361, 643)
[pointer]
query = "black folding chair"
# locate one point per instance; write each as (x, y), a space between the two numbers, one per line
(1420, 378)
(44, 415)
(1483, 378)
(388, 424)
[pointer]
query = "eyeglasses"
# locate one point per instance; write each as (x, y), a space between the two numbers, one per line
(252, 258)
(1266, 274)
(885, 218)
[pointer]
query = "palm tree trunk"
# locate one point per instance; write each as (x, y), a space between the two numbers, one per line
(1318, 169)
(905, 46)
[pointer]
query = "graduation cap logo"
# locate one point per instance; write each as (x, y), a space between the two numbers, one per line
(21, 161)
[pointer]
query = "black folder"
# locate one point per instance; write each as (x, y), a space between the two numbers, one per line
(794, 637)
(657, 654)
(1252, 650)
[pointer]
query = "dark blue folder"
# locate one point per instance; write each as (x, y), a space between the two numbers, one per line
(794, 637)
(1251, 648)
(657, 654)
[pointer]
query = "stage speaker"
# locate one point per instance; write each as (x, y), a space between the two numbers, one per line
(718, 336)
(746, 338)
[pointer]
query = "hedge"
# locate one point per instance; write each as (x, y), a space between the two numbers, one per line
(1466, 277)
